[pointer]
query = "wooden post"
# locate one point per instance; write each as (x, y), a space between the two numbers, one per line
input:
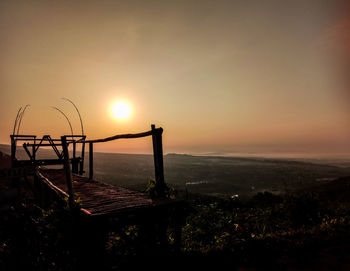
(33, 150)
(68, 171)
(74, 159)
(158, 159)
(81, 170)
(74, 148)
(13, 150)
(14, 180)
(91, 161)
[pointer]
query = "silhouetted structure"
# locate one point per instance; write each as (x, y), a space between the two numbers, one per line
(98, 202)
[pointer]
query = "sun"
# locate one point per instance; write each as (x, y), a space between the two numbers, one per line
(121, 110)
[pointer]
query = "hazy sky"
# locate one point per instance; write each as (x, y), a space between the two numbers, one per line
(219, 76)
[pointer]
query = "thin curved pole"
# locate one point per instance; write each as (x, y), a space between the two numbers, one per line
(70, 125)
(14, 126)
(76, 108)
(21, 117)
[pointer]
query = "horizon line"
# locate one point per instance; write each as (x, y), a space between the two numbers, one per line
(262, 155)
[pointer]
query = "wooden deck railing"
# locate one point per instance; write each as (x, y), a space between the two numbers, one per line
(32, 144)
(156, 134)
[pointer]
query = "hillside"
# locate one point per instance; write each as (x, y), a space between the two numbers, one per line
(5, 160)
(303, 229)
(209, 175)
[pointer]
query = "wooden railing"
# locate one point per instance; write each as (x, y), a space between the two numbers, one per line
(156, 134)
(32, 144)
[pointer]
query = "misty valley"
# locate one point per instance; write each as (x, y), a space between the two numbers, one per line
(211, 175)
(217, 176)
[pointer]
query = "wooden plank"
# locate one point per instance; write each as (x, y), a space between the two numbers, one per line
(61, 194)
(98, 197)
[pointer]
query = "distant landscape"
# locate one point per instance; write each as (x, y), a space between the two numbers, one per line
(213, 175)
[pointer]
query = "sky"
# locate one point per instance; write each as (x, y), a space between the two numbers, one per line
(221, 77)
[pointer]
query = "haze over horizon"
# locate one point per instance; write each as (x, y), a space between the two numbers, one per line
(219, 77)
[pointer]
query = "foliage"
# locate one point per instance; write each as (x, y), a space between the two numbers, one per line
(264, 226)
(41, 239)
(155, 191)
(263, 230)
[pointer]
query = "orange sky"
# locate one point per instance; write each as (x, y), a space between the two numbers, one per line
(218, 76)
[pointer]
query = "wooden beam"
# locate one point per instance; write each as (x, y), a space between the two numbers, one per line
(27, 151)
(74, 160)
(44, 144)
(81, 170)
(91, 160)
(158, 159)
(34, 151)
(149, 133)
(13, 151)
(74, 148)
(58, 191)
(68, 172)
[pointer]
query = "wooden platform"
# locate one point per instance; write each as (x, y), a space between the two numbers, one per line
(98, 198)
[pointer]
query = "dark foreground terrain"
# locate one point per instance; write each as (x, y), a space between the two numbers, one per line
(302, 229)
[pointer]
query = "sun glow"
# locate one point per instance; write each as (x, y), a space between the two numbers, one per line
(121, 110)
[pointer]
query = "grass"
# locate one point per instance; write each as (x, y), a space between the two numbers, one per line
(272, 231)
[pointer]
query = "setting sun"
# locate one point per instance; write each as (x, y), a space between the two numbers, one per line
(121, 110)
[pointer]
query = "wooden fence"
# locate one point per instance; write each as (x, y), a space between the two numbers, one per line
(156, 134)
